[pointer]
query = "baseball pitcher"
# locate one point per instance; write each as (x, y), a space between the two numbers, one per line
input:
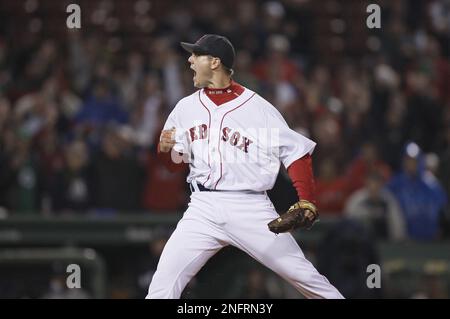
(234, 142)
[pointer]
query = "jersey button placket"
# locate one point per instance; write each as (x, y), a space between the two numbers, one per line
(215, 136)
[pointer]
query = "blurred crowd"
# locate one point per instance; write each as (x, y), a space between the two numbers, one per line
(81, 110)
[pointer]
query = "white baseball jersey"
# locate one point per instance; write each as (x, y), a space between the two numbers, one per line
(236, 146)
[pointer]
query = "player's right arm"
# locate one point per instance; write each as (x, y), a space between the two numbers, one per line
(168, 143)
(165, 146)
(167, 140)
(172, 136)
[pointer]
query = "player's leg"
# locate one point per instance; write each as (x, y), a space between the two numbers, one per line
(291, 264)
(281, 253)
(194, 241)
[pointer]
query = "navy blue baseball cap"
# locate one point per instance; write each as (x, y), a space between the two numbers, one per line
(215, 45)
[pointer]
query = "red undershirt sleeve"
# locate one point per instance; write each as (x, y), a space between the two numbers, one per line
(302, 177)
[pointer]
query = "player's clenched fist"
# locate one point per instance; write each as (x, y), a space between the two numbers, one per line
(167, 140)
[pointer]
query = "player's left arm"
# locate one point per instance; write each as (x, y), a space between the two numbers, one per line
(294, 151)
(303, 214)
(302, 177)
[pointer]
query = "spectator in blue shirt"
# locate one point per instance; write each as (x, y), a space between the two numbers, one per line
(421, 204)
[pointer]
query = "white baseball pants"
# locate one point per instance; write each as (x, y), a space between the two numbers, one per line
(214, 220)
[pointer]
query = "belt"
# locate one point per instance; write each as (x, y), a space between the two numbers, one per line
(195, 187)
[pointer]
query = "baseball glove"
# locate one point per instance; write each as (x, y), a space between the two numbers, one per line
(302, 215)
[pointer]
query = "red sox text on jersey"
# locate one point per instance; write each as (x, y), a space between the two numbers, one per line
(235, 138)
